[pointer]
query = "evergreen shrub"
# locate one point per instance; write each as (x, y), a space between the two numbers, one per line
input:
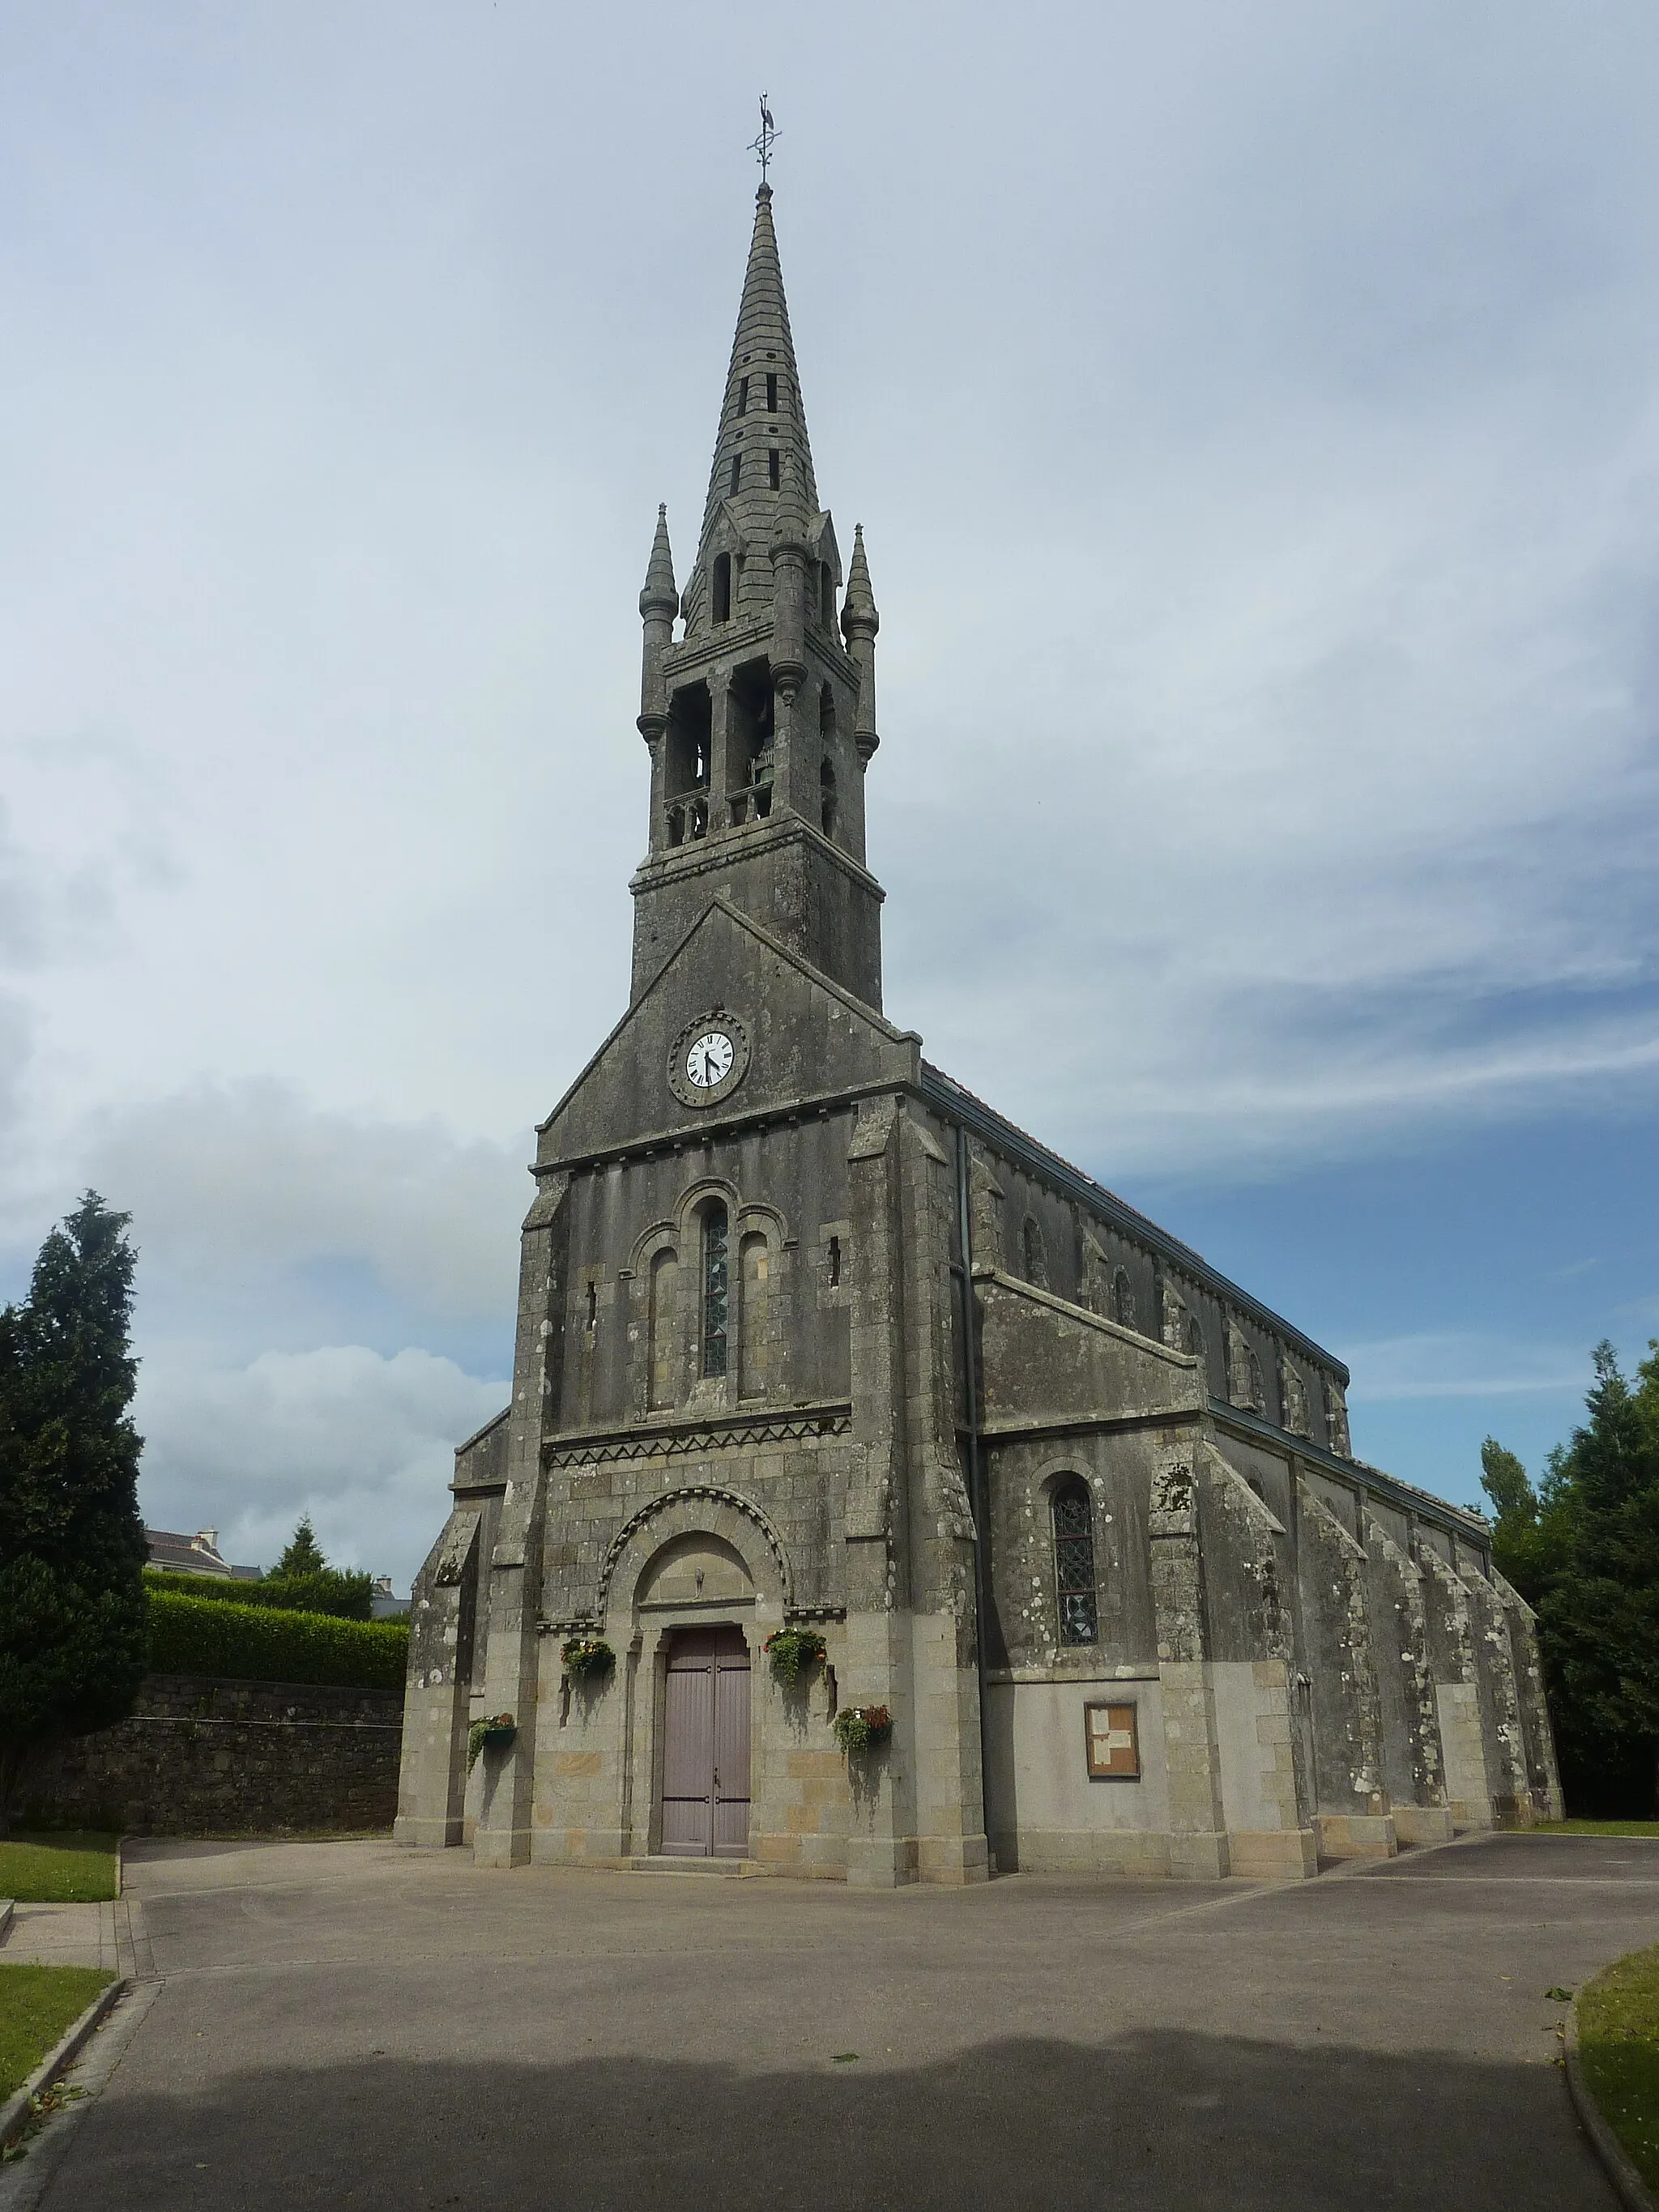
(327, 1591)
(194, 1635)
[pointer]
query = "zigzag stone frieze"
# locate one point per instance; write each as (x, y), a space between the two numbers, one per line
(809, 1428)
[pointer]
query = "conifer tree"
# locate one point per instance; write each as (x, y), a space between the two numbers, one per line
(1599, 1617)
(72, 1616)
(303, 1579)
(303, 1554)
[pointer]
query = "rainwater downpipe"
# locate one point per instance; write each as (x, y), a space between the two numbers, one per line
(976, 1497)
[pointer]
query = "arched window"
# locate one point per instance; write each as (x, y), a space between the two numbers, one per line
(722, 608)
(1293, 1397)
(1258, 1394)
(1035, 1256)
(665, 1331)
(827, 597)
(1123, 1299)
(1195, 1337)
(716, 1293)
(1074, 1562)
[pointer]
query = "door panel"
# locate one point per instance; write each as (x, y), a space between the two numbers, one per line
(688, 1758)
(705, 1764)
(732, 1752)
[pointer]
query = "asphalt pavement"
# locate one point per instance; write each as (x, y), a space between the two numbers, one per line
(348, 2024)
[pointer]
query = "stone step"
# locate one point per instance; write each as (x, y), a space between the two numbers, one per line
(732, 1869)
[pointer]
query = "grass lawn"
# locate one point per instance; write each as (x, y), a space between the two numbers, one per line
(37, 2003)
(1596, 1828)
(1618, 2045)
(67, 1870)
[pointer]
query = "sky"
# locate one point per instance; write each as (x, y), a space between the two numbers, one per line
(1254, 415)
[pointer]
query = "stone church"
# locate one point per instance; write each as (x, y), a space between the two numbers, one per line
(810, 1339)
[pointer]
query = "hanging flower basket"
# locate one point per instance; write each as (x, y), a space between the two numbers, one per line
(791, 1650)
(494, 1734)
(860, 1728)
(586, 1658)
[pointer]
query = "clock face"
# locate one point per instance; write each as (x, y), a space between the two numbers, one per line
(709, 1061)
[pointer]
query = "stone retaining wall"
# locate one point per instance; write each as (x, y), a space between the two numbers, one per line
(200, 1756)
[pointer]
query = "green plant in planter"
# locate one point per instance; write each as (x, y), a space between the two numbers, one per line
(791, 1650)
(586, 1658)
(495, 1734)
(859, 1727)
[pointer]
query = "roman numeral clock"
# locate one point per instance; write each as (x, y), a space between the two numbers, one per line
(708, 1060)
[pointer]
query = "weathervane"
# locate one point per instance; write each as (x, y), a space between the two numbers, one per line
(760, 148)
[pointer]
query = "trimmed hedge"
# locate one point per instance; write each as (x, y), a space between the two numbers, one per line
(192, 1635)
(347, 1596)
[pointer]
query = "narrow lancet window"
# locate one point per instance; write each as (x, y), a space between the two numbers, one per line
(775, 468)
(771, 393)
(1074, 1563)
(743, 397)
(1123, 1299)
(827, 798)
(737, 471)
(716, 1294)
(722, 587)
(1034, 1252)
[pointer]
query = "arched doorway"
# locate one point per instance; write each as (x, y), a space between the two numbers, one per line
(705, 1753)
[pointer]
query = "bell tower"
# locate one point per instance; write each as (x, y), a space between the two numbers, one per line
(759, 716)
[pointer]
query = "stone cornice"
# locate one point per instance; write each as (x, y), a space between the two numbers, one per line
(714, 854)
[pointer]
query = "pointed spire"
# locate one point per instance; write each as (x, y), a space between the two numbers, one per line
(661, 594)
(658, 604)
(859, 623)
(858, 607)
(762, 456)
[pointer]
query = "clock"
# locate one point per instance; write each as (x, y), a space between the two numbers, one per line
(709, 1059)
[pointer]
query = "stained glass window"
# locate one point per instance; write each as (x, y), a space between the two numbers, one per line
(1074, 1564)
(715, 1290)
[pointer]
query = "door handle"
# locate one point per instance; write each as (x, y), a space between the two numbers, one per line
(717, 1777)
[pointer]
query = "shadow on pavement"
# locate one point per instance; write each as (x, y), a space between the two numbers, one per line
(1155, 2122)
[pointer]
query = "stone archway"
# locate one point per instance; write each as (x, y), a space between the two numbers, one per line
(693, 1584)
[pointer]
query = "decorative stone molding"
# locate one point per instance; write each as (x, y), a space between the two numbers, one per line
(692, 1442)
(696, 1494)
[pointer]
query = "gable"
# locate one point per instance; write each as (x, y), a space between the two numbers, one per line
(801, 1038)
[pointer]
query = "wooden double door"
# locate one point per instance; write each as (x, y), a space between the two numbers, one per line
(705, 1754)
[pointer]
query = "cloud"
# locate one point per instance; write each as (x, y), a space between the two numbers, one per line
(244, 1190)
(361, 1442)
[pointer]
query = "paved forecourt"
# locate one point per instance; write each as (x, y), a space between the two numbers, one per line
(350, 2024)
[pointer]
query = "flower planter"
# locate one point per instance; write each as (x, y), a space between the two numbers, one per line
(792, 1651)
(587, 1658)
(493, 1734)
(861, 1728)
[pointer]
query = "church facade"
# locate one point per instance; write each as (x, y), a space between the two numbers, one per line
(813, 1344)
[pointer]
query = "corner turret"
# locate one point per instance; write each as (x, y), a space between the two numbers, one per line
(659, 602)
(859, 623)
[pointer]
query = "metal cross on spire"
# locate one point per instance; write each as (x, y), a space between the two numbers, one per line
(760, 148)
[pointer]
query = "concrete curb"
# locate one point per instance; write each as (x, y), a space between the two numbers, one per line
(6, 1907)
(1631, 2190)
(15, 2110)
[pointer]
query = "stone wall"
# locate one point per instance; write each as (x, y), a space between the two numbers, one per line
(200, 1756)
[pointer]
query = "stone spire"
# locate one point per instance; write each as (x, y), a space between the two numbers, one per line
(659, 602)
(859, 623)
(762, 457)
(760, 720)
